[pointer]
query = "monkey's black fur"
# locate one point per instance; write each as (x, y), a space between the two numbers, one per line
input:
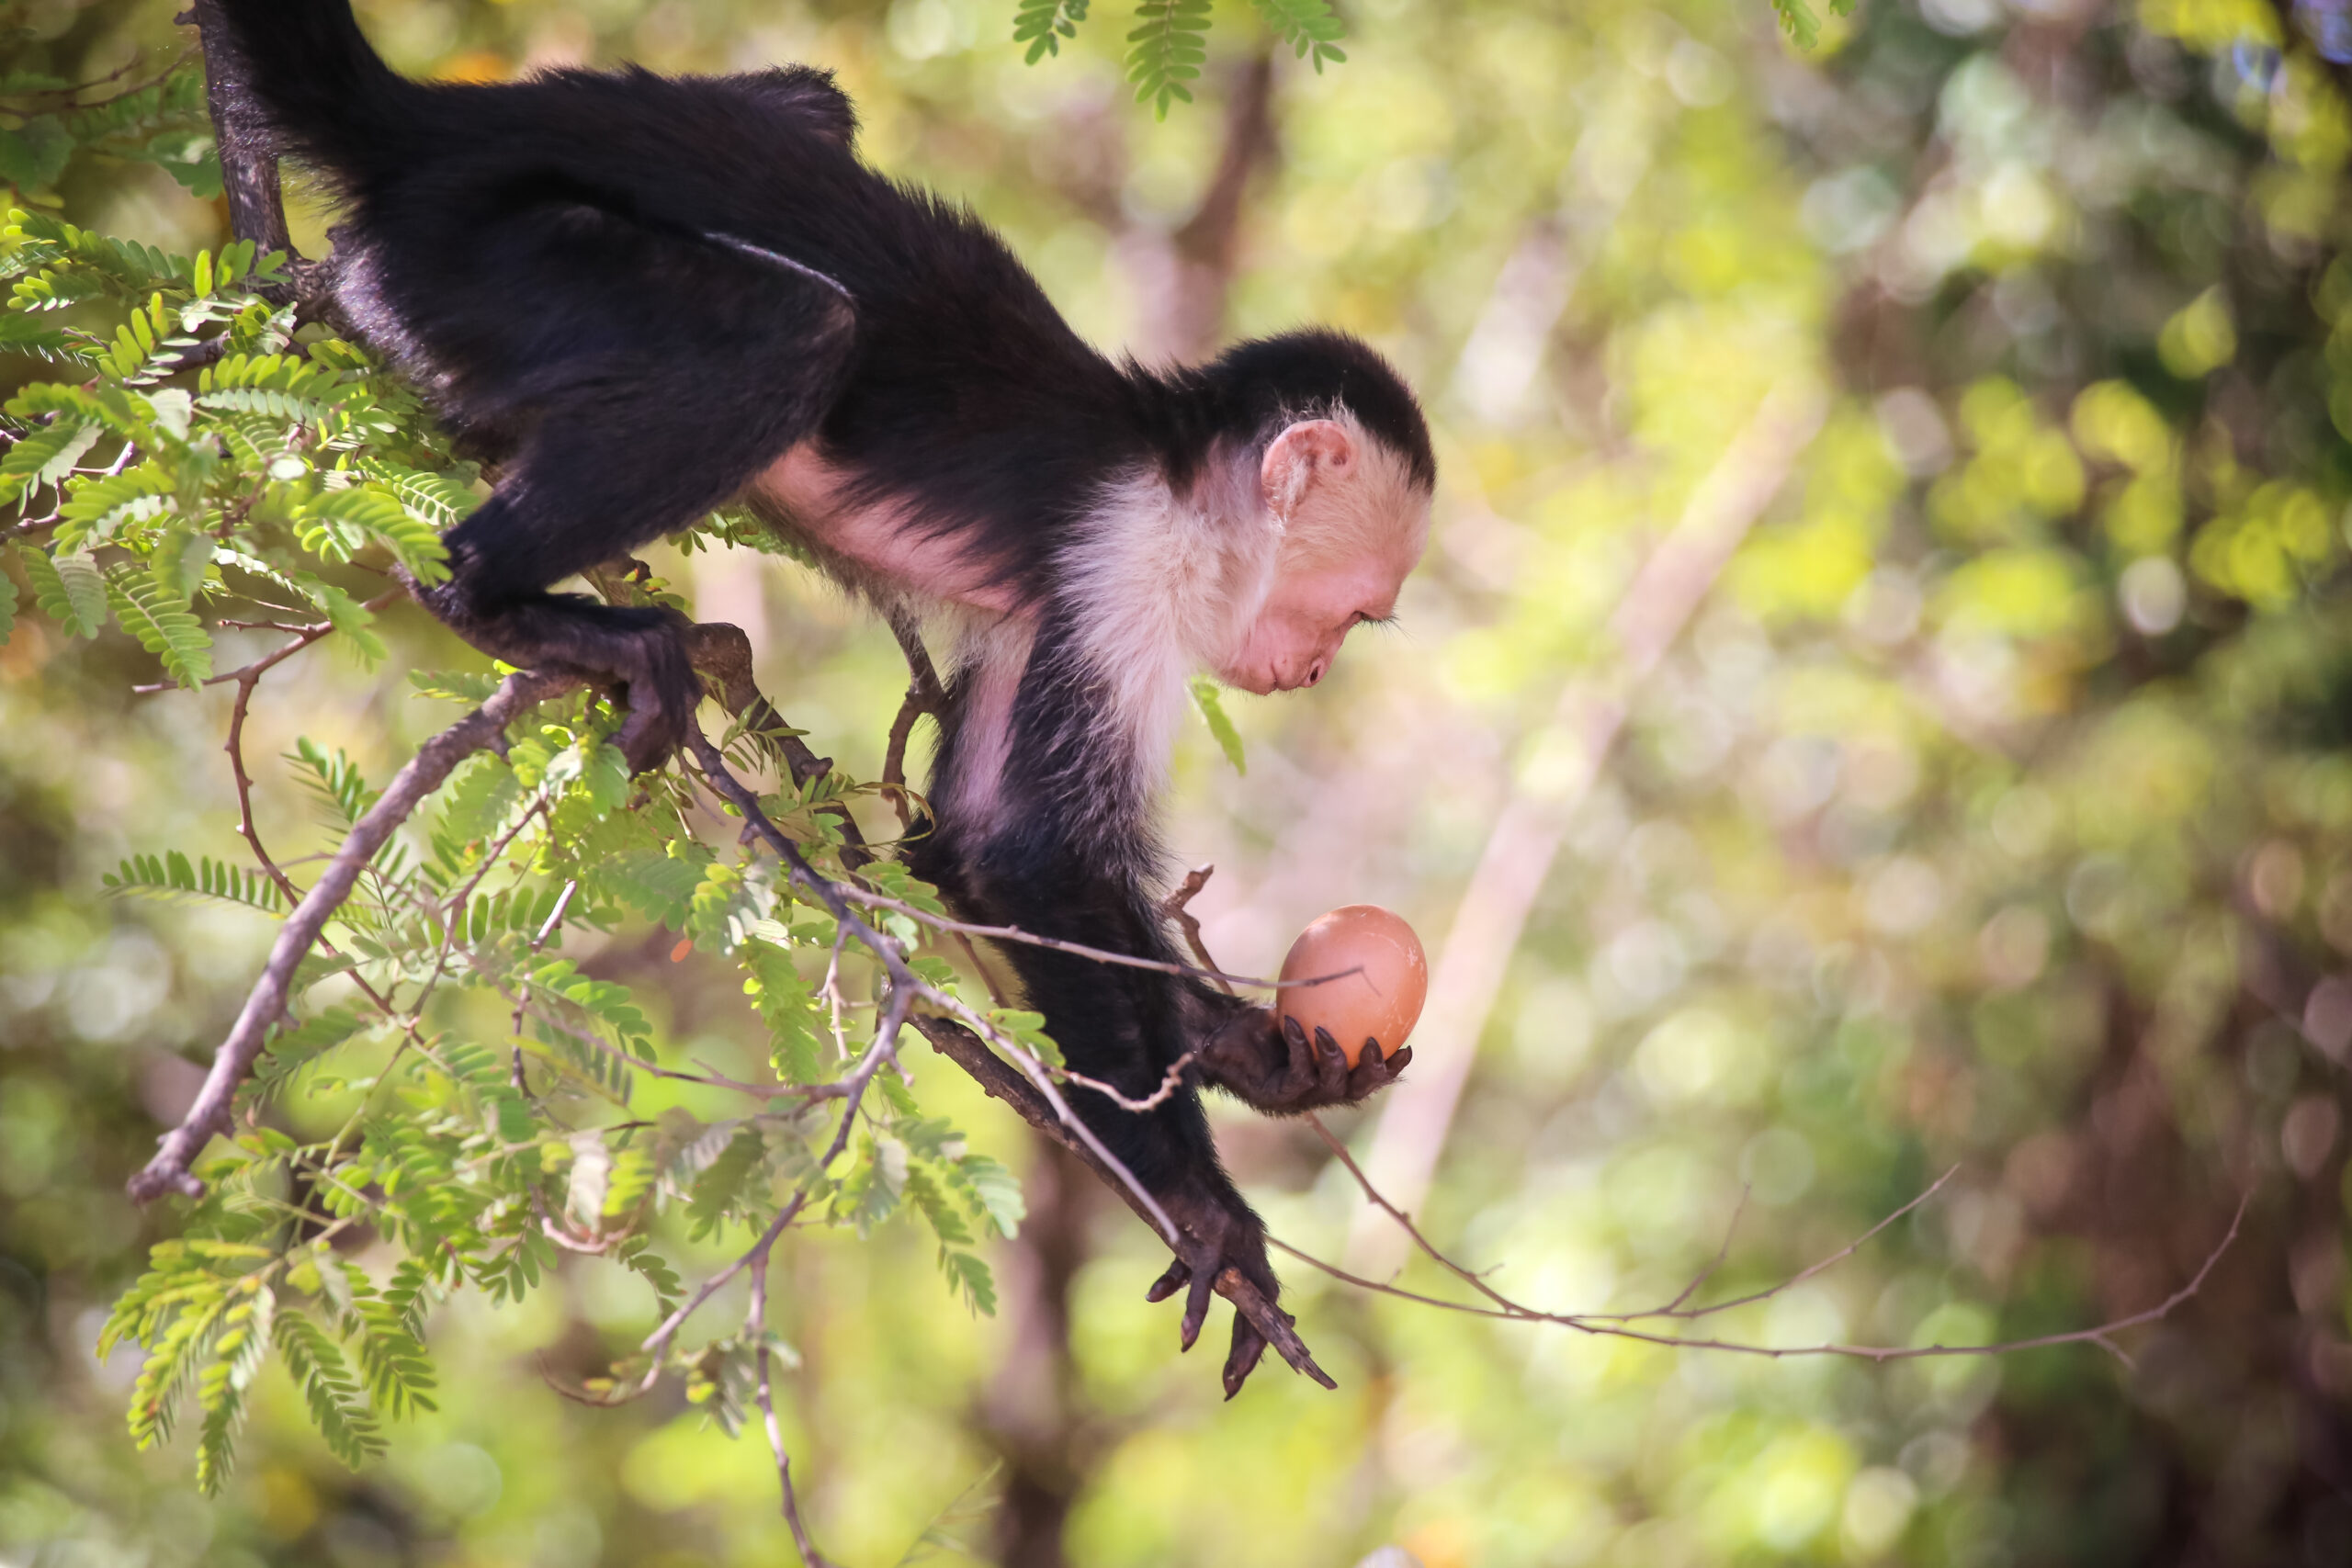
(637, 292)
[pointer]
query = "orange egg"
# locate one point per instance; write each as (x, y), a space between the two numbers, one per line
(1381, 1000)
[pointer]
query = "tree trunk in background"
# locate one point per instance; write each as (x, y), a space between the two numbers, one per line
(1034, 1411)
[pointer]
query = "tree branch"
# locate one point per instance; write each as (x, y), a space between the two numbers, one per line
(168, 1171)
(248, 161)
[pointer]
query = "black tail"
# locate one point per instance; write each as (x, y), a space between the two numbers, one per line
(326, 95)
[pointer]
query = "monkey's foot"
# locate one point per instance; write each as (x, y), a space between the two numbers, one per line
(636, 654)
(1218, 1234)
(1278, 1070)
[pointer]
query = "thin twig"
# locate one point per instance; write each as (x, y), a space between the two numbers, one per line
(1676, 1309)
(1175, 907)
(755, 1322)
(894, 754)
(1615, 1325)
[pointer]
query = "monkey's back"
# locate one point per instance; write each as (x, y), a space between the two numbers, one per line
(520, 244)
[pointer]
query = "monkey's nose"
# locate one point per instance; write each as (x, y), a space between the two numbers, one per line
(1314, 674)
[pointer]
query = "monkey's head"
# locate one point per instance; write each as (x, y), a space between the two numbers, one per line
(1345, 473)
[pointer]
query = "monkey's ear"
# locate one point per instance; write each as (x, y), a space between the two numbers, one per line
(1304, 453)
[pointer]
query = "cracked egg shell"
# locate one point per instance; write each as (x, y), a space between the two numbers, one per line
(1381, 1001)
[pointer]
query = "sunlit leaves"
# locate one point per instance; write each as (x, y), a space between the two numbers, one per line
(68, 588)
(163, 626)
(330, 1392)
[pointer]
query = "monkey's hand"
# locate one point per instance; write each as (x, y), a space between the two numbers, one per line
(1275, 1067)
(1220, 1233)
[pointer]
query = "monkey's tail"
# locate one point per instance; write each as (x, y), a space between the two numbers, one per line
(327, 97)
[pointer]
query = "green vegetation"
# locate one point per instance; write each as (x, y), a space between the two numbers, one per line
(1988, 372)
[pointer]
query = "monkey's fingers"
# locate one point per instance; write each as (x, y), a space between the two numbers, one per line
(1330, 1067)
(1374, 1071)
(1300, 1070)
(1197, 1306)
(1249, 1345)
(1169, 1283)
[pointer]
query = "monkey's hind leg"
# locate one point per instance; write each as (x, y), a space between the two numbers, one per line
(573, 500)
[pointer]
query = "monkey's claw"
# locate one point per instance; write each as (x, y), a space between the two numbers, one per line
(1276, 1068)
(1215, 1239)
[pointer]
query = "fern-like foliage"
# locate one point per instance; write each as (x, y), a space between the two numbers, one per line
(1309, 27)
(329, 1390)
(68, 588)
(1166, 50)
(163, 626)
(205, 877)
(1043, 24)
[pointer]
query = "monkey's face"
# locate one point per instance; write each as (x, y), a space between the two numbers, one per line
(1307, 615)
(1353, 523)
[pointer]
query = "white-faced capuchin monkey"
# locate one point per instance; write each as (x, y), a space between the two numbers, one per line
(645, 296)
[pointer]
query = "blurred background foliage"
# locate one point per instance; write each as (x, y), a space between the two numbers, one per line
(1992, 812)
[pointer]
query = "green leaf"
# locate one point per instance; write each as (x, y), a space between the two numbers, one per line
(393, 1361)
(1026, 1030)
(1043, 24)
(97, 509)
(1167, 51)
(164, 628)
(221, 1391)
(789, 1010)
(24, 333)
(341, 523)
(182, 1344)
(290, 1050)
(8, 608)
(638, 1257)
(333, 780)
(32, 156)
(1212, 708)
(354, 621)
(1798, 20)
(998, 1190)
(718, 1192)
(68, 587)
(205, 877)
(969, 1278)
(49, 454)
(329, 1390)
(180, 561)
(1309, 27)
